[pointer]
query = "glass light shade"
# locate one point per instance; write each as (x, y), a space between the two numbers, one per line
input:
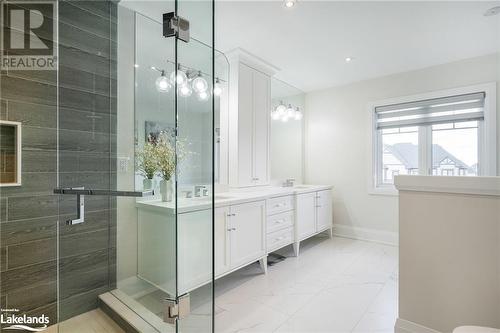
(298, 114)
(290, 112)
(217, 88)
(185, 90)
(284, 118)
(281, 110)
(275, 115)
(203, 96)
(162, 84)
(199, 84)
(181, 78)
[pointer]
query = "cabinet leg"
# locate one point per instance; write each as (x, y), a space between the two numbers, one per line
(330, 232)
(263, 264)
(296, 247)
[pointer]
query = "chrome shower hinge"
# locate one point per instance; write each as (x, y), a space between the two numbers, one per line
(174, 25)
(178, 308)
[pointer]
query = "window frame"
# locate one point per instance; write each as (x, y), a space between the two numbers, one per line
(486, 131)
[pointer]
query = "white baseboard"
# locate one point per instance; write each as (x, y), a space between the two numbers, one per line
(373, 235)
(405, 326)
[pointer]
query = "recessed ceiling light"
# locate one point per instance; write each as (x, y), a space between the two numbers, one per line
(349, 59)
(492, 11)
(290, 3)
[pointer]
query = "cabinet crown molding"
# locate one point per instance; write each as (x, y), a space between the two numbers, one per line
(243, 56)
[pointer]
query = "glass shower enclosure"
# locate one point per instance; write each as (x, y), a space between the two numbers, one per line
(112, 204)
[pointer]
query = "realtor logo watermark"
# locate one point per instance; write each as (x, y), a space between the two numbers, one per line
(28, 35)
(11, 320)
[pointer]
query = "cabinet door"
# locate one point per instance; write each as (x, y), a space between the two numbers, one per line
(306, 215)
(245, 126)
(247, 235)
(261, 107)
(324, 210)
(221, 240)
(194, 249)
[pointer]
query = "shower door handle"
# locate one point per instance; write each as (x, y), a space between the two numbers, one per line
(81, 192)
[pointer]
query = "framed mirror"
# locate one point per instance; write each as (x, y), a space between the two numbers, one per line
(10, 153)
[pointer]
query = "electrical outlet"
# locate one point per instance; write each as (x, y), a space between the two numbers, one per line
(123, 164)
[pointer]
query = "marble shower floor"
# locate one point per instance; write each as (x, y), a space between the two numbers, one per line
(335, 285)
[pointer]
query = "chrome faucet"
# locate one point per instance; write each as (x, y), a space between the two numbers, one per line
(289, 182)
(198, 190)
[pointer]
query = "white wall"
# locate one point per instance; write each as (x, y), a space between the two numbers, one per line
(337, 139)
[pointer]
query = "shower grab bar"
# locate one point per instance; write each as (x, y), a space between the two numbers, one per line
(81, 192)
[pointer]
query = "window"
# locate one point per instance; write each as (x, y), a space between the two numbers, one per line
(447, 134)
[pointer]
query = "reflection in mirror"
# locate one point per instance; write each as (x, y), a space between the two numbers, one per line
(287, 124)
(10, 153)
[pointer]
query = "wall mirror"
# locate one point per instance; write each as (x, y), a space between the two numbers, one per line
(10, 153)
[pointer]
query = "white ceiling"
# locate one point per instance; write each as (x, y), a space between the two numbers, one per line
(310, 41)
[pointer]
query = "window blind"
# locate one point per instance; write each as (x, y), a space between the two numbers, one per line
(458, 108)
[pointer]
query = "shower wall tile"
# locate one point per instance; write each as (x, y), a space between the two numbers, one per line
(77, 139)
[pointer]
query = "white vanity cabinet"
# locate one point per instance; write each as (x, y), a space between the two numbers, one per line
(239, 236)
(313, 215)
(280, 222)
(248, 120)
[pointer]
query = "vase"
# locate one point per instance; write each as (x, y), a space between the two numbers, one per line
(147, 184)
(166, 190)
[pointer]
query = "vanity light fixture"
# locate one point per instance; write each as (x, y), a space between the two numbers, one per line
(217, 87)
(290, 3)
(298, 114)
(181, 77)
(199, 84)
(203, 95)
(162, 83)
(281, 109)
(185, 90)
(290, 112)
(349, 59)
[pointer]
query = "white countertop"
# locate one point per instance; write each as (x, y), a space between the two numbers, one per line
(231, 197)
(449, 184)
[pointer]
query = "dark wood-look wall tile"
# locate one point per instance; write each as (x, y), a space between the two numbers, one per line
(30, 114)
(3, 258)
(88, 121)
(81, 303)
(83, 263)
(72, 284)
(83, 243)
(21, 208)
(3, 207)
(84, 19)
(83, 141)
(33, 183)
(49, 310)
(32, 252)
(84, 80)
(42, 76)
(39, 138)
(28, 276)
(74, 37)
(33, 297)
(95, 220)
(82, 100)
(39, 160)
(101, 8)
(18, 89)
(84, 61)
(22, 231)
(3, 109)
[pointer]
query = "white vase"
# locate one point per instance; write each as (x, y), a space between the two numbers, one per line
(166, 190)
(147, 184)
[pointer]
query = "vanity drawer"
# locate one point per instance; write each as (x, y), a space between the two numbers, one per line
(280, 204)
(278, 239)
(279, 221)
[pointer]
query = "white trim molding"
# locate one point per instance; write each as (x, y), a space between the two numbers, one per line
(405, 326)
(366, 234)
(449, 184)
(488, 146)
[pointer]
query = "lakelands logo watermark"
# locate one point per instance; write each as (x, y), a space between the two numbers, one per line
(28, 35)
(10, 320)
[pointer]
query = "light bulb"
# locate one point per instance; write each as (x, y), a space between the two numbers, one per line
(290, 3)
(203, 96)
(284, 118)
(199, 84)
(281, 109)
(185, 91)
(181, 78)
(162, 83)
(275, 115)
(290, 112)
(298, 114)
(217, 88)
